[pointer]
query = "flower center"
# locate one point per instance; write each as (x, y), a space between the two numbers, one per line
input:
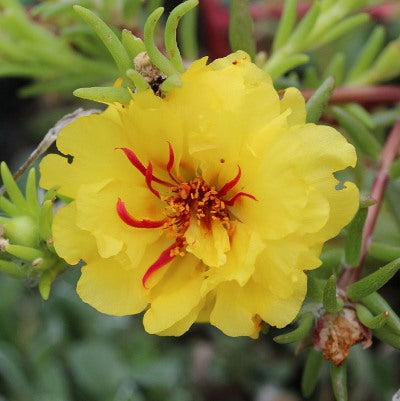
(185, 201)
(194, 198)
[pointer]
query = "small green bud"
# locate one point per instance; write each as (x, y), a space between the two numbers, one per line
(21, 230)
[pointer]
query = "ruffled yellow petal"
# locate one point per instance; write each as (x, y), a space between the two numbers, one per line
(232, 316)
(111, 287)
(175, 297)
(210, 247)
(241, 259)
(227, 129)
(70, 242)
(294, 101)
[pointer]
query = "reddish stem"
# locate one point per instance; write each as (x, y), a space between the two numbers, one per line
(363, 94)
(388, 155)
(381, 12)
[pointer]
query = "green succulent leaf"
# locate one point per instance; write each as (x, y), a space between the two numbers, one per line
(108, 37)
(330, 301)
(105, 95)
(354, 237)
(306, 323)
(339, 382)
(359, 134)
(286, 24)
(387, 336)
(368, 319)
(311, 372)
(241, 28)
(377, 304)
(319, 100)
(373, 282)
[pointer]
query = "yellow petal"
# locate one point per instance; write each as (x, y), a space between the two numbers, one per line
(210, 246)
(111, 287)
(230, 315)
(96, 212)
(293, 100)
(175, 297)
(246, 246)
(70, 242)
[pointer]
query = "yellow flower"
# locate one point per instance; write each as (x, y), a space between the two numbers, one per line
(203, 206)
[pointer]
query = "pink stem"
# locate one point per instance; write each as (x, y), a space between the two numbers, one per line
(363, 94)
(388, 155)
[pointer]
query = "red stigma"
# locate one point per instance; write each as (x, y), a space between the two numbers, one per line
(149, 179)
(130, 154)
(232, 201)
(194, 198)
(230, 184)
(171, 161)
(165, 257)
(131, 221)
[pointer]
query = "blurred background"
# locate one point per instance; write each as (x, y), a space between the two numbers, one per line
(64, 350)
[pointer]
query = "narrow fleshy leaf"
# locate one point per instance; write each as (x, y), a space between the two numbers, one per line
(284, 65)
(362, 115)
(241, 27)
(354, 237)
(47, 279)
(305, 324)
(343, 27)
(31, 191)
(46, 220)
(188, 35)
(305, 26)
(311, 372)
(359, 134)
(157, 58)
(387, 336)
(368, 319)
(384, 252)
(8, 207)
(171, 27)
(12, 269)
(105, 95)
(377, 304)
(132, 44)
(286, 24)
(137, 79)
(330, 301)
(386, 67)
(336, 68)
(24, 252)
(319, 100)
(373, 282)
(107, 36)
(339, 382)
(171, 83)
(315, 288)
(51, 194)
(12, 188)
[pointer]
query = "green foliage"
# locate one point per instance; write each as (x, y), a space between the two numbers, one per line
(241, 28)
(26, 249)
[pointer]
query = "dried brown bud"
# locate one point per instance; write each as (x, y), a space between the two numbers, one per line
(336, 333)
(3, 242)
(149, 71)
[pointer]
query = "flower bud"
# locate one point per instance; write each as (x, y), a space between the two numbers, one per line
(21, 230)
